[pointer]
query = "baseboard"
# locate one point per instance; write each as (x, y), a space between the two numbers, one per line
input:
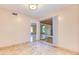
(67, 50)
(1, 48)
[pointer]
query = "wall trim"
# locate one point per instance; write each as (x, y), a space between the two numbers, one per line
(67, 50)
(1, 48)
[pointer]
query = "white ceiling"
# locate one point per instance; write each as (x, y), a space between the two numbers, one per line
(41, 12)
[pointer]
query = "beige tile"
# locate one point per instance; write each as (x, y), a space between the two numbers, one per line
(35, 48)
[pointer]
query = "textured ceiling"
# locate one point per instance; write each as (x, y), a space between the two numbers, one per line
(40, 12)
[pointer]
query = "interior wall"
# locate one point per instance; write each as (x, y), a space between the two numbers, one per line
(13, 29)
(68, 30)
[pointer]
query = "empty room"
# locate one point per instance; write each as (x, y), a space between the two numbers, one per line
(39, 29)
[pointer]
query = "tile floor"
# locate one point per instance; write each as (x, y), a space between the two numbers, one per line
(35, 48)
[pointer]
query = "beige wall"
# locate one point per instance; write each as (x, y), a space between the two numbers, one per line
(68, 27)
(13, 29)
(68, 30)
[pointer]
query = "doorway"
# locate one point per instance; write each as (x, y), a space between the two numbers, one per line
(49, 30)
(46, 30)
(33, 32)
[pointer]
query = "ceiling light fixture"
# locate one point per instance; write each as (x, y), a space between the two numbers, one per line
(33, 6)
